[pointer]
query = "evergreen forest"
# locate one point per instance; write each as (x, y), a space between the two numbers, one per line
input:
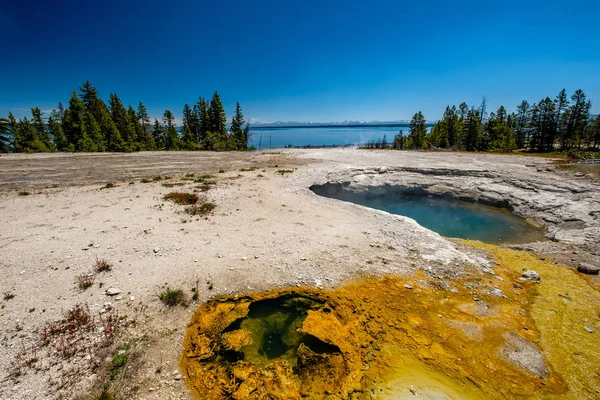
(88, 124)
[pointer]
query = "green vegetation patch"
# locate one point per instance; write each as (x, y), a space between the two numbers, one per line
(182, 198)
(285, 171)
(200, 209)
(172, 297)
(117, 363)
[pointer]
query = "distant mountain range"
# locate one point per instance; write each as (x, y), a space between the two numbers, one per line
(294, 124)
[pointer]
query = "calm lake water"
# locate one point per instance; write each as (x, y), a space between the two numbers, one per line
(321, 136)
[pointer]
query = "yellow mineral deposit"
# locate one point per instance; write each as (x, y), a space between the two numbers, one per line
(476, 337)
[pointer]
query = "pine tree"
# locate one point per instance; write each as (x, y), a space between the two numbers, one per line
(188, 137)
(437, 135)
(40, 128)
(139, 140)
(4, 136)
(203, 123)
(450, 128)
(561, 102)
(13, 126)
(172, 141)
(144, 118)
(522, 120)
(237, 131)
(498, 134)
(56, 131)
(576, 115)
(472, 131)
(596, 132)
(158, 134)
(73, 125)
(121, 119)
(114, 141)
(93, 142)
(463, 111)
(218, 122)
(418, 130)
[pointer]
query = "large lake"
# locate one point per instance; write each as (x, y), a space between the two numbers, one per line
(265, 137)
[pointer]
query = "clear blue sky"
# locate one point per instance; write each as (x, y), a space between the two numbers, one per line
(300, 60)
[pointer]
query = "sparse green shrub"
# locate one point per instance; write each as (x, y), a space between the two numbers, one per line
(285, 171)
(24, 193)
(117, 363)
(170, 185)
(105, 394)
(144, 180)
(172, 297)
(8, 296)
(157, 178)
(205, 181)
(248, 169)
(200, 209)
(182, 198)
(108, 186)
(221, 171)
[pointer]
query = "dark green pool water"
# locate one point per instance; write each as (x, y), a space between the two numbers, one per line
(274, 325)
(450, 218)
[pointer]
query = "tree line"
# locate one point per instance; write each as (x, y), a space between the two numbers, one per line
(88, 124)
(548, 125)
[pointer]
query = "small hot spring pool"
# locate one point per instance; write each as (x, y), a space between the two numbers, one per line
(448, 217)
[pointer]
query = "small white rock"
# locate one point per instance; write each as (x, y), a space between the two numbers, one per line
(156, 249)
(113, 291)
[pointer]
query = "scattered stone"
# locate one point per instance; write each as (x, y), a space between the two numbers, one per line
(409, 287)
(588, 269)
(244, 258)
(156, 249)
(382, 170)
(496, 291)
(177, 377)
(119, 298)
(588, 330)
(579, 174)
(132, 298)
(303, 258)
(112, 291)
(531, 276)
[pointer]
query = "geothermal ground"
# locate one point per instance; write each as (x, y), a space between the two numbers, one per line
(386, 287)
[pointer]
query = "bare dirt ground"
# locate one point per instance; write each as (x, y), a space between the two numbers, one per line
(268, 231)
